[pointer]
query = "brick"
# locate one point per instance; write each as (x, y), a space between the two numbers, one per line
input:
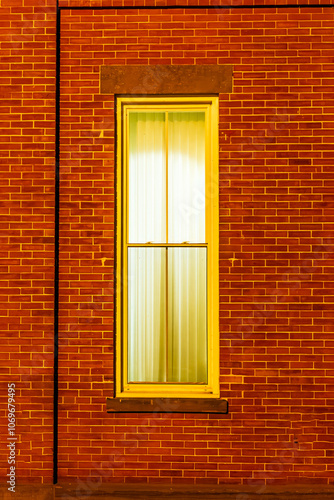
(276, 206)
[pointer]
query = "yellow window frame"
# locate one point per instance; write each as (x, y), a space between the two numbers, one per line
(208, 104)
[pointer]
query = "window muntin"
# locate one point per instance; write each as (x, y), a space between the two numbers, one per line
(167, 252)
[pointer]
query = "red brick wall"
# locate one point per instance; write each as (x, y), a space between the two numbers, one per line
(27, 66)
(276, 187)
(276, 258)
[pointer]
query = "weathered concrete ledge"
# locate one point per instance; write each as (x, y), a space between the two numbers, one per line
(166, 79)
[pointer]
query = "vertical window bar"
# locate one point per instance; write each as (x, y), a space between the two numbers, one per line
(166, 310)
(166, 314)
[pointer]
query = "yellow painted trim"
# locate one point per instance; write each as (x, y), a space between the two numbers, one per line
(118, 340)
(208, 104)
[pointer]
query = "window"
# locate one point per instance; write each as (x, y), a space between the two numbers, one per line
(167, 247)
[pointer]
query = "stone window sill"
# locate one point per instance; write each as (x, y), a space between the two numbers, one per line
(167, 405)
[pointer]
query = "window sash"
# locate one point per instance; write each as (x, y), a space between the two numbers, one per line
(167, 327)
(166, 176)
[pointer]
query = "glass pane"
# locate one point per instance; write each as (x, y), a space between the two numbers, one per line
(186, 177)
(187, 321)
(147, 177)
(146, 314)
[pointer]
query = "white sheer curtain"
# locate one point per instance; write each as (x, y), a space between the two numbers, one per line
(187, 315)
(147, 314)
(167, 320)
(147, 178)
(186, 177)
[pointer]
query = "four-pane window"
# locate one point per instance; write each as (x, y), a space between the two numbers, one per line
(167, 247)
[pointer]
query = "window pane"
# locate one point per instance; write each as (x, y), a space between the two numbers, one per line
(186, 177)
(147, 177)
(146, 314)
(187, 322)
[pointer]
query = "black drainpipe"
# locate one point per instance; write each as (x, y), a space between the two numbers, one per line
(56, 256)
